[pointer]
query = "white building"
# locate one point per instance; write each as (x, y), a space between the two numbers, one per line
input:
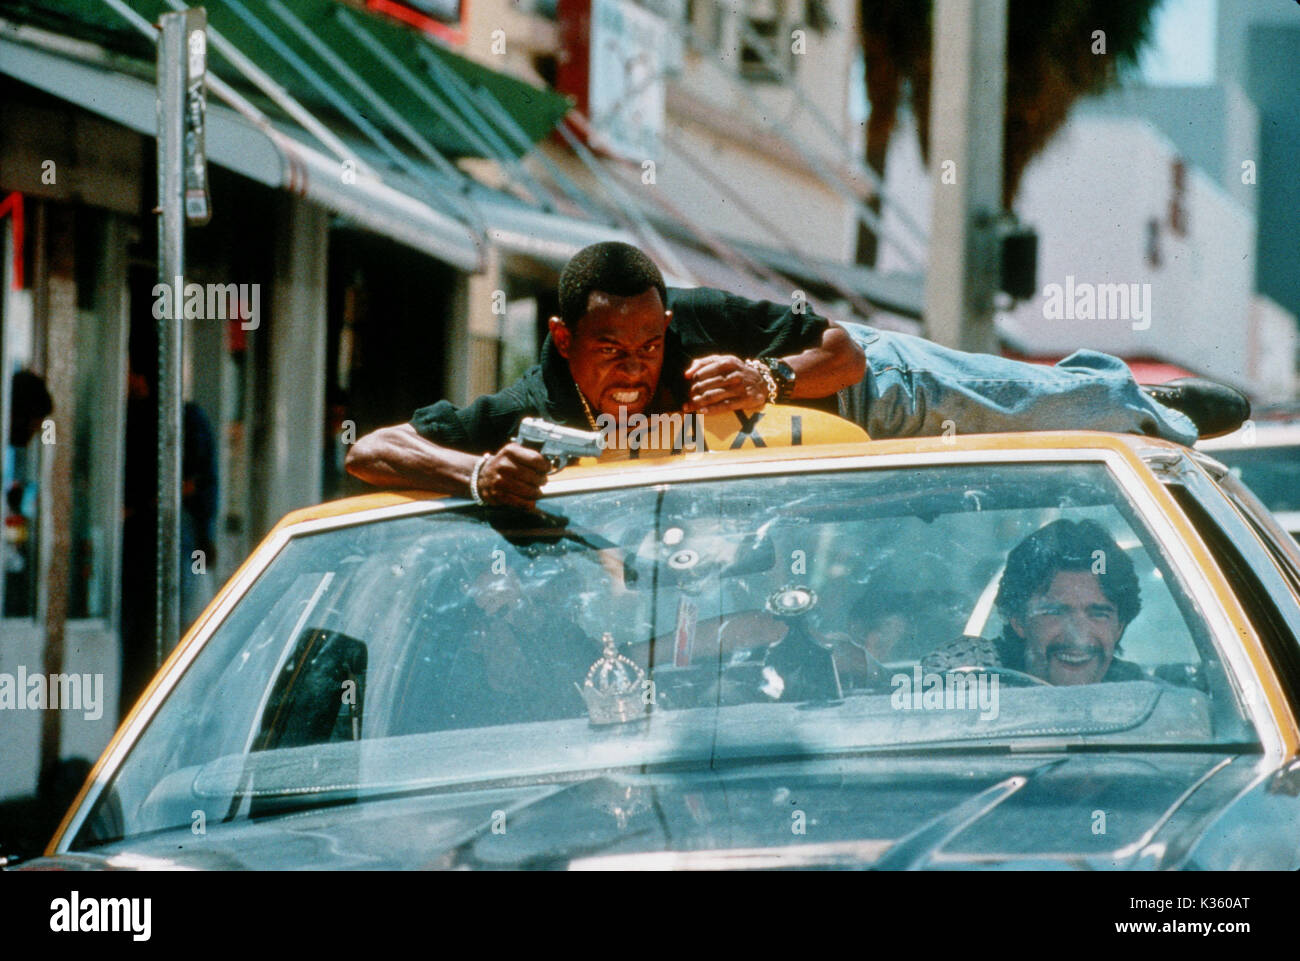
(1125, 212)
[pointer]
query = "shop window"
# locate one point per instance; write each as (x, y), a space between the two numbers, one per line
(100, 400)
(760, 30)
(87, 404)
(762, 48)
(518, 341)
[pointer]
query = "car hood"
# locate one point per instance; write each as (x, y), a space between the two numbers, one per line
(1088, 811)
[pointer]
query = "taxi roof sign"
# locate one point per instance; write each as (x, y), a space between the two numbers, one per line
(774, 426)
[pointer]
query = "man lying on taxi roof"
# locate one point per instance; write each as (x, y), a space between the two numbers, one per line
(1066, 596)
(615, 349)
(626, 344)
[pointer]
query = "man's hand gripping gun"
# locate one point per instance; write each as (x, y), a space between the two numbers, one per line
(559, 445)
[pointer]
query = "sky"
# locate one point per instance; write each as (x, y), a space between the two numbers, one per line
(1182, 51)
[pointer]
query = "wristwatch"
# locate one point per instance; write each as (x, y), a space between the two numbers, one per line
(783, 374)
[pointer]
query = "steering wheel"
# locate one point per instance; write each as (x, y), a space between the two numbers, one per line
(1025, 680)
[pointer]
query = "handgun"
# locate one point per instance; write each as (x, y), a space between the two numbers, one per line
(559, 445)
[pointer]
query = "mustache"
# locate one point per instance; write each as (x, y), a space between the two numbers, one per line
(1092, 650)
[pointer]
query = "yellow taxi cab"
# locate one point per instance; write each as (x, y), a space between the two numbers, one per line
(792, 647)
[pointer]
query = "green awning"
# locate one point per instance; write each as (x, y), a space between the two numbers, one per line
(535, 110)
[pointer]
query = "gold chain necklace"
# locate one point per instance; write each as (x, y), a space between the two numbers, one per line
(591, 421)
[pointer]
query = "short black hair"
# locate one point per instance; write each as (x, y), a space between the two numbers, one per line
(612, 267)
(1068, 546)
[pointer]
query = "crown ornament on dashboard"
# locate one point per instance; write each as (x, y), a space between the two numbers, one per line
(615, 689)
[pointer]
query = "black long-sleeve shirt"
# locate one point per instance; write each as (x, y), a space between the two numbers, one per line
(705, 321)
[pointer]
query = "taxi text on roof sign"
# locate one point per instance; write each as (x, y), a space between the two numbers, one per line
(659, 435)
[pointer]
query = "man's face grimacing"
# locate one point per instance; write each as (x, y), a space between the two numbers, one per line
(617, 352)
(1070, 630)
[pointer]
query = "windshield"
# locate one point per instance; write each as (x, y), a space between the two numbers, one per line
(823, 614)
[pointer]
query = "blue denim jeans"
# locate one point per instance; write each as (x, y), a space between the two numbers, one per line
(914, 387)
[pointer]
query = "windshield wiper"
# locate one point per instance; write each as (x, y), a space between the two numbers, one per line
(536, 532)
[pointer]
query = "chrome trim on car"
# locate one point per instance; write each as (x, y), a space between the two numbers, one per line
(1160, 459)
(1215, 468)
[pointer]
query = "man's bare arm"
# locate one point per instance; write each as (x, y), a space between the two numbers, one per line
(399, 457)
(834, 364)
(722, 382)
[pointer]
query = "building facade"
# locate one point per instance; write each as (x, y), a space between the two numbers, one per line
(355, 266)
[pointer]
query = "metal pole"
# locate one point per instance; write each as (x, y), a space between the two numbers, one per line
(171, 269)
(968, 107)
(260, 79)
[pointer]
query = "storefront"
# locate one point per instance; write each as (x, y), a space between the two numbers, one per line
(341, 303)
(347, 282)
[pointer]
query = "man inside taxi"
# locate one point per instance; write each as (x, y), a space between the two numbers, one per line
(1066, 597)
(626, 344)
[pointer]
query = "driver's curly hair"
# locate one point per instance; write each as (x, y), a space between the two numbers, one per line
(612, 267)
(1068, 546)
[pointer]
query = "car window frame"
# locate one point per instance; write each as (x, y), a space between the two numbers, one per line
(1245, 526)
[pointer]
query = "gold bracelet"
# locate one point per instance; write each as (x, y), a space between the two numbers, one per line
(768, 379)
